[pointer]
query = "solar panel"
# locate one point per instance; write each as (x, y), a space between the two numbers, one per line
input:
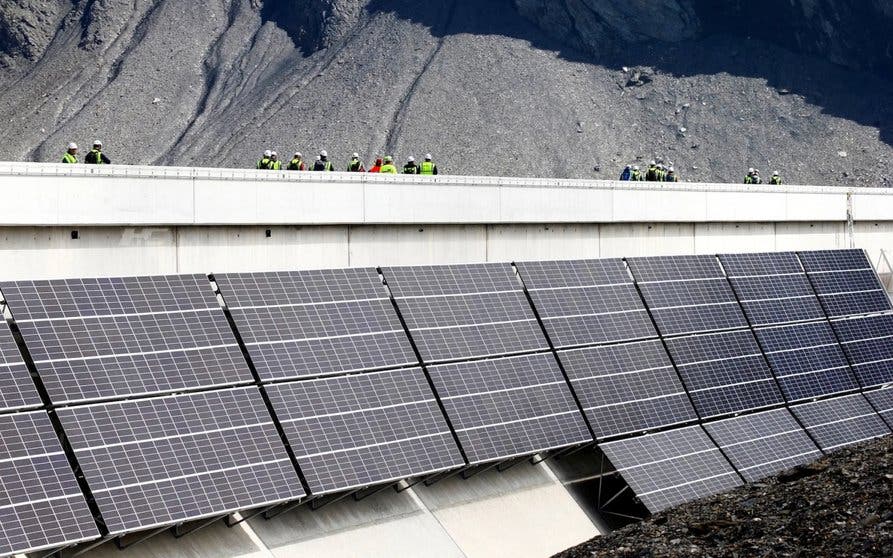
(841, 421)
(868, 343)
(465, 311)
(669, 468)
(772, 288)
(763, 444)
(355, 431)
(725, 372)
(627, 388)
(807, 360)
(509, 407)
(315, 323)
(586, 302)
(687, 294)
(166, 460)
(41, 504)
(882, 399)
(846, 282)
(95, 339)
(17, 390)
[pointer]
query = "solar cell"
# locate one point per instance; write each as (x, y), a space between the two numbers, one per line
(725, 372)
(467, 311)
(586, 302)
(687, 294)
(627, 388)
(845, 282)
(772, 288)
(669, 468)
(41, 504)
(841, 421)
(95, 339)
(508, 407)
(315, 323)
(763, 444)
(166, 460)
(355, 431)
(17, 390)
(868, 343)
(807, 360)
(882, 399)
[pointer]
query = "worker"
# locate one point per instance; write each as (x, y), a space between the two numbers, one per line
(776, 179)
(71, 156)
(428, 167)
(355, 165)
(264, 163)
(388, 166)
(96, 156)
(275, 163)
(377, 166)
(296, 163)
(756, 177)
(323, 163)
(627, 173)
(671, 175)
(653, 174)
(748, 178)
(410, 167)
(636, 175)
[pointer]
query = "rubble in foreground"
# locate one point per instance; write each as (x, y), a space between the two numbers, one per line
(840, 506)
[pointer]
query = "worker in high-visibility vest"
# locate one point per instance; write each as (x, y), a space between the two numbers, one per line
(388, 166)
(428, 167)
(71, 156)
(96, 156)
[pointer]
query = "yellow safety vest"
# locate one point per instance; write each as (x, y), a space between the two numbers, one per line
(427, 167)
(388, 168)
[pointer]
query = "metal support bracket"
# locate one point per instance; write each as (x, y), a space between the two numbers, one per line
(179, 532)
(119, 541)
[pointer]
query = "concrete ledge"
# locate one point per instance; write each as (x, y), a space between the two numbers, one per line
(39, 194)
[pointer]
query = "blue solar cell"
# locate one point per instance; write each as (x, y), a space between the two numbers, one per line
(868, 343)
(725, 372)
(807, 360)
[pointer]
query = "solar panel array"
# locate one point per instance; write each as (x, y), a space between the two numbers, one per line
(156, 398)
(725, 372)
(586, 302)
(507, 403)
(764, 443)
(41, 504)
(672, 467)
(166, 460)
(841, 421)
(621, 372)
(99, 339)
(315, 323)
(845, 282)
(687, 294)
(17, 389)
(363, 420)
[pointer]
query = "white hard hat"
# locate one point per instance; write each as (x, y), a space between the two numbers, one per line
(323, 153)
(775, 173)
(72, 145)
(267, 153)
(628, 167)
(411, 159)
(653, 163)
(750, 170)
(273, 154)
(756, 171)
(636, 167)
(97, 142)
(427, 156)
(356, 155)
(298, 154)
(672, 169)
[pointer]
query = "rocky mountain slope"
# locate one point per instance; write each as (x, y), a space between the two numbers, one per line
(515, 87)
